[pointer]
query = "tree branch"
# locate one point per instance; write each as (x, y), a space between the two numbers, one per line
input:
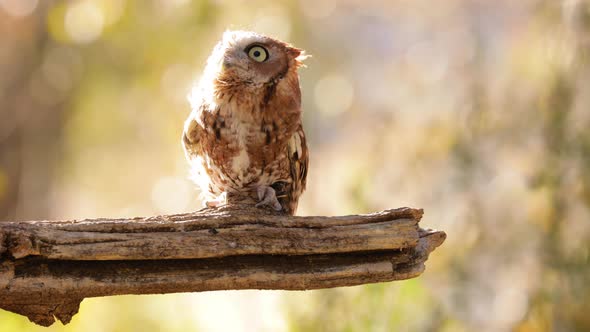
(48, 267)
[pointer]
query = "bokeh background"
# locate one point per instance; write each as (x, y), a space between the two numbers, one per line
(476, 111)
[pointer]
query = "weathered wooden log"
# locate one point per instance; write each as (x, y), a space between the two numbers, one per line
(48, 267)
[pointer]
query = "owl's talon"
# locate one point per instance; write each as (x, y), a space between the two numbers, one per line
(261, 191)
(268, 196)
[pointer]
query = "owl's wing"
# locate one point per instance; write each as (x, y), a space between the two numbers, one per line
(192, 135)
(298, 162)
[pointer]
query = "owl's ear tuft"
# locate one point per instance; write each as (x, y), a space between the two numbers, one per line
(294, 52)
(298, 55)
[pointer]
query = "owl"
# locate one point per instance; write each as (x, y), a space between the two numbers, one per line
(244, 135)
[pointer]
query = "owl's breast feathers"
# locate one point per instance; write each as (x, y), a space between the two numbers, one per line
(250, 137)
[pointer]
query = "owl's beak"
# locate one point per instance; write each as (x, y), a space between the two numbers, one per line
(228, 64)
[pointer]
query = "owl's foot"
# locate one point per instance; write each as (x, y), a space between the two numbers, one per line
(219, 201)
(268, 196)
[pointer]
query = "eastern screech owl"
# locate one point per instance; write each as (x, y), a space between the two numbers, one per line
(244, 134)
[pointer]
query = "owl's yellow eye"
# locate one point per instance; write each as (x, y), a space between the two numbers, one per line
(258, 53)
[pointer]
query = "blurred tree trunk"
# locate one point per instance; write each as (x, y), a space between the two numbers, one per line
(30, 124)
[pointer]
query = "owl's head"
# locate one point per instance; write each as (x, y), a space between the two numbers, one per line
(250, 58)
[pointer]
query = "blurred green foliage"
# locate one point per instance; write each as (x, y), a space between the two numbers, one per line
(476, 111)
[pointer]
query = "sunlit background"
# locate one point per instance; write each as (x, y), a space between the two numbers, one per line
(476, 111)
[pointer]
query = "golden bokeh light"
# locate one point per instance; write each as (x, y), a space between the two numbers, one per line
(84, 21)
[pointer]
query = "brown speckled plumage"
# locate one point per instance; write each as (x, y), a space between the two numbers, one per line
(245, 131)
